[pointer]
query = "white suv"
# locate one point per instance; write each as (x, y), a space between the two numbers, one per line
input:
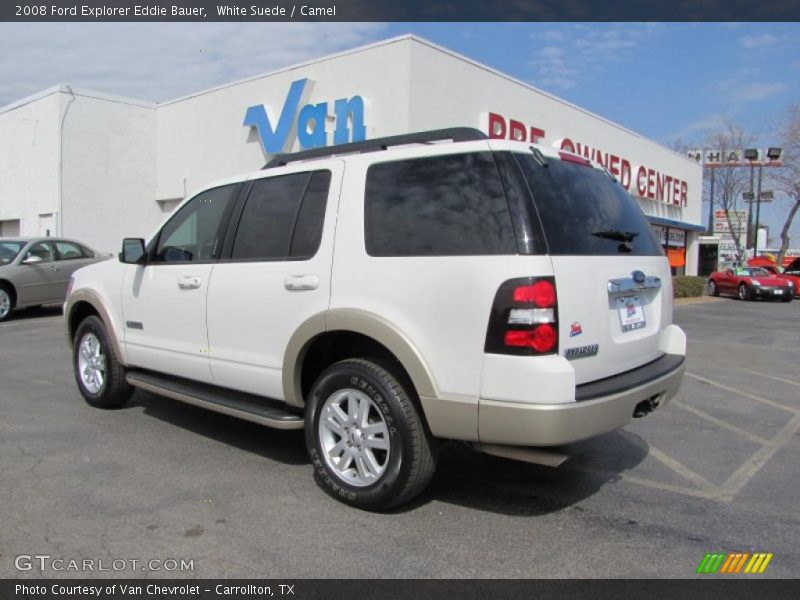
(387, 294)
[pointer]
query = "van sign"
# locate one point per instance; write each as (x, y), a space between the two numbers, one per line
(307, 123)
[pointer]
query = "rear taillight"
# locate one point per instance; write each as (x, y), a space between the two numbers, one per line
(524, 318)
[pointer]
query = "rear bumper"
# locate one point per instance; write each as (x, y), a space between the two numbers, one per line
(603, 410)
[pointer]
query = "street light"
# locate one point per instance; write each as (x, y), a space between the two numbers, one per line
(750, 154)
(773, 154)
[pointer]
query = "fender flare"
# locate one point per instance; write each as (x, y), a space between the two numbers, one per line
(356, 321)
(96, 302)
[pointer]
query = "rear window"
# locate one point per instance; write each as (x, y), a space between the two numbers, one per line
(437, 206)
(585, 212)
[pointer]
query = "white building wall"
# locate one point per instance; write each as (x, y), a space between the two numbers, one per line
(202, 137)
(109, 165)
(29, 132)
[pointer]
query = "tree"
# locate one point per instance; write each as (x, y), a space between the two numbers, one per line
(788, 177)
(729, 182)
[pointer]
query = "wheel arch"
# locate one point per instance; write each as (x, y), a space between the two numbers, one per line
(6, 283)
(333, 334)
(82, 304)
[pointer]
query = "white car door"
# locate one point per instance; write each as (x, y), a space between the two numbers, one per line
(164, 301)
(276, 276)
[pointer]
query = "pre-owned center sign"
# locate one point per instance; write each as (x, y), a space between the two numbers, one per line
(643, 180)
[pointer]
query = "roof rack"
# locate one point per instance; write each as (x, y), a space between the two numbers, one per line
(455, 134)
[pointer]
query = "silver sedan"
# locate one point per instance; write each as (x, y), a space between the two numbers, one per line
(36, 271)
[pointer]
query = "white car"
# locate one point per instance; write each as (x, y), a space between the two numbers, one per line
(387, 294)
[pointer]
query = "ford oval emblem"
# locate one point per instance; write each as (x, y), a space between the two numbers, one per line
(638, 277)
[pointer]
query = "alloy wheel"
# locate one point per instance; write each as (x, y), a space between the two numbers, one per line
(354, 437)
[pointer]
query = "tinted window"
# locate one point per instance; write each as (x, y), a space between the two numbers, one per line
(193, 233)
(439, 206)
(585, 212)
(68, 251)
(283, 217)
(9, 251)
(308, 230)
(42, 251)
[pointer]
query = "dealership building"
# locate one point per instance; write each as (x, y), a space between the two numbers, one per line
(98, 167)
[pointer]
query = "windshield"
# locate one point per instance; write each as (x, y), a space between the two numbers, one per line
(752, 272)
(584, 211)
(9, 251)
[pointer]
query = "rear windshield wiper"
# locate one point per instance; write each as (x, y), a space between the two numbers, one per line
(615, 234)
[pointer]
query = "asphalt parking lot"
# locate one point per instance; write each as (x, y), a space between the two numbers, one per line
(717, 471)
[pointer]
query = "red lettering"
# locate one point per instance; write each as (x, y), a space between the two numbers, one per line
(651, 183)
(659, 187)
(536, 134)
(684, 192)
(625, 174)
(641, 182)
(497, 126)
(517, 131)
(567, 145)
(613, 165)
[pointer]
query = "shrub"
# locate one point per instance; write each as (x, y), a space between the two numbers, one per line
(686, 286)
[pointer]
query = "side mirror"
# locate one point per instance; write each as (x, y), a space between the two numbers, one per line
(133, 252)
(31, 259)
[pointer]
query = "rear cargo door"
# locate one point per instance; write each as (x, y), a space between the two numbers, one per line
(612, 280)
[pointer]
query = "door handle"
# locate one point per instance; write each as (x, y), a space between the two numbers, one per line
(301, 282)
(188, 282)
(54, 268)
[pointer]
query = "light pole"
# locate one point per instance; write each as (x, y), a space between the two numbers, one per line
(773, 154)
(750, 154)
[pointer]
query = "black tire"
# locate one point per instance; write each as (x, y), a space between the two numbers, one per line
(7, 298)
(713, 290)
(114, 390)
(744, 292)
(788, 298)
(410, 460)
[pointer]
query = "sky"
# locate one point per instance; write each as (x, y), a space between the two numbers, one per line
(667, 81)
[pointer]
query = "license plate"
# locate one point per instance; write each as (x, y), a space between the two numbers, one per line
(778, 292)
(631, 313)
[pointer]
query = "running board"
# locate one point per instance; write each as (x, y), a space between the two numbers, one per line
(249, 407)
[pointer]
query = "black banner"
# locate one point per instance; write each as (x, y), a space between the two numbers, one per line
(396, 10)
(386, 589)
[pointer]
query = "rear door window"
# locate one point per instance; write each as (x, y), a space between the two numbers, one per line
(283, 217)
(583, 211)
(451, 205)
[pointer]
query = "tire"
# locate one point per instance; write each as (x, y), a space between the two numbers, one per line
(7, 302)
(98, 372)
(788, 298)
(348, 397)
(744, 293)
(713, 290)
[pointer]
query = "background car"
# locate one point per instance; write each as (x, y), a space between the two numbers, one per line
(783, 273)
(35, 271)
(749, 283)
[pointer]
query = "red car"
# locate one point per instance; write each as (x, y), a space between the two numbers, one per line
(790, 273)
(749, 283)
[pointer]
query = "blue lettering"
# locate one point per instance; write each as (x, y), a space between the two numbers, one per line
(276, 140)
(311, 131)
(308, 124)
(349, 111)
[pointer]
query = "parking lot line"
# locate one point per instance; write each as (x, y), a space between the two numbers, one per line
(727, 388)
(681, 469)
(753, 465)
(775, 377)
(720, 423)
